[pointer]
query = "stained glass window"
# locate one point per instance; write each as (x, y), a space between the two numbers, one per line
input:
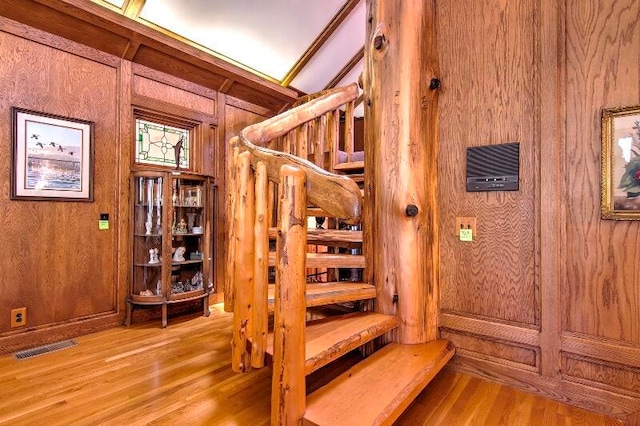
(161, 145)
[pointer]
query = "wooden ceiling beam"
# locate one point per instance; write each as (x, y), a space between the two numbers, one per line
(226, 85)
(319, 41)
(346, 69)
(132, 8)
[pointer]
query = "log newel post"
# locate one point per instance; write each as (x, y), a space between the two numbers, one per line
(288, 384)
(399, 82)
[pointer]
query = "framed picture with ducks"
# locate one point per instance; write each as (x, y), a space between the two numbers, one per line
(51, 158)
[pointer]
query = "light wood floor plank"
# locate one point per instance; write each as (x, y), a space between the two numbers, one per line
(181, 375)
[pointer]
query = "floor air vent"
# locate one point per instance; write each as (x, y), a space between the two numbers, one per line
(52, 347)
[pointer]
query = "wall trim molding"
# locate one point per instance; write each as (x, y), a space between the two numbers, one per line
(601, 349)
(509, 333)
(36, 336)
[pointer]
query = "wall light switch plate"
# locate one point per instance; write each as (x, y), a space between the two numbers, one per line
(466, 235)
(466, 223)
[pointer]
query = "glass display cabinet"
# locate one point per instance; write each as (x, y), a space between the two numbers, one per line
(171, 230)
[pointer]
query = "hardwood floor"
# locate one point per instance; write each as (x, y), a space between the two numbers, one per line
(182, 375)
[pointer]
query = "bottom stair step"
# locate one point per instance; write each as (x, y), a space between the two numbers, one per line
(378, 389)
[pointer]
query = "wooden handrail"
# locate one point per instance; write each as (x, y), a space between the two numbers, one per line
(335, 194)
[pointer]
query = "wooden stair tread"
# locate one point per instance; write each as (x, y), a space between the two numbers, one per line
(330, 338)
(319, 294)
(378, 389)
(357, 177)
(352, 165)
(317, 211)
(328, 260)
(327, 236)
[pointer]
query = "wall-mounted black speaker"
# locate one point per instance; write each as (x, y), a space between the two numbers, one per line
(493, 167)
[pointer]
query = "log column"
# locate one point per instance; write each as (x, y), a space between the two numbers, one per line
(401, 222)
(288, 394)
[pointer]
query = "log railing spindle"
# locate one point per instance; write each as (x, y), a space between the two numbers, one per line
(229, 286)
(259, 309)
(318, 141)
(348, 131)
(243, 271)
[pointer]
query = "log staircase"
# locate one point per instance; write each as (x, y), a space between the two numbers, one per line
(272, 158)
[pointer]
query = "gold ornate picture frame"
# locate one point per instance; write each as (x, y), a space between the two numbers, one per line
(620, 183)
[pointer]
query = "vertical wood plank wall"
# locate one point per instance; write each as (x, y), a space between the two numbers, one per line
(72, 277)
(238, 115)
(54, 260)
(547, 297)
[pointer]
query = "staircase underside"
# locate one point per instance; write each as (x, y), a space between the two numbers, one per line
(377, 390)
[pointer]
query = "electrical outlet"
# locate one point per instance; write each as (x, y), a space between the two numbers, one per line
(466, 223)
(18, 317)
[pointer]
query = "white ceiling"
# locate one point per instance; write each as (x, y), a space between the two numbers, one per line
(267, 37)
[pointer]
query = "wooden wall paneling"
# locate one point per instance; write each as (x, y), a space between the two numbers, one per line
(21, 30)
(596, 373)
(487, 63)
(548, 137)
(242, 91)
(520, 355)
(58, 264)
(248, 106)
(125, 125)
(164, 62)
(601, 296)
(157, 90)
(44, 18)
(484, 327)
(170, 80)
(237, 116)
(605, 350)
(632, 419)
(584, 279)
(220, 182)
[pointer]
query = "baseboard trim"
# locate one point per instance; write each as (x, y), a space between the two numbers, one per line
(48, 334)
(608, 403)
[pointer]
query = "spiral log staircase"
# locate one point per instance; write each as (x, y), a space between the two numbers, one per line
(277, 176)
